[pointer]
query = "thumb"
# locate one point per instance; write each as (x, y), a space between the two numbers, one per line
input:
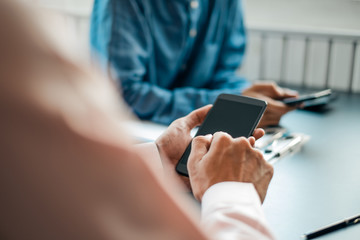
(258, 133)
(277, 91)
(199, 147)
(288, 93)
(195, 118)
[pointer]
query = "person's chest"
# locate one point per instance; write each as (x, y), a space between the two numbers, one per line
(186, 37)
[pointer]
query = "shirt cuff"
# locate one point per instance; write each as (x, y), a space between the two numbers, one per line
(242, 195)
(232, 210)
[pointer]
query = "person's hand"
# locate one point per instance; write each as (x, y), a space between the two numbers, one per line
(221, 158)
(271, 93)
(173, 142)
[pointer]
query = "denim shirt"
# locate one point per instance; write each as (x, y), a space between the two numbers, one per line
(170, 56)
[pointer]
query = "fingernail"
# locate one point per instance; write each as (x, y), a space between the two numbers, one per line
(209, 136)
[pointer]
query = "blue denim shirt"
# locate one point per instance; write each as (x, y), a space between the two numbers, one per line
(170, 56)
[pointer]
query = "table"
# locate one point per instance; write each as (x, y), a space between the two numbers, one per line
(320, 184)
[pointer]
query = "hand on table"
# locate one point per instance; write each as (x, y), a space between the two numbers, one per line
(220, 158)
(173, 142)
(271, 93)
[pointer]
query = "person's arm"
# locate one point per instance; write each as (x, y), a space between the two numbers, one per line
(232, 52)
(232, 210)
(149, 151)
(121, 38)
(220, 159)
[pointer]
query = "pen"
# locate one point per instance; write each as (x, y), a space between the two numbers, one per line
(289, 147)
(333, 227)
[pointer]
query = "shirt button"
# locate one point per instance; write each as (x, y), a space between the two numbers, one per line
(193, 33)
(194, 4)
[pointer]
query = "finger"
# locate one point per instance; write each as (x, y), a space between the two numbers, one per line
(195, 118)
(252, 141)
(199, 147)
(245, 143)
(277, 91)
(258, 133)
(270, 89)
(263, 85)
(288, 93)
(280, 93)
(270, 92)
(219, 141)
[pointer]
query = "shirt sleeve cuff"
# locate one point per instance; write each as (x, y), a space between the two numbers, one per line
(242, 195)
(233, 209)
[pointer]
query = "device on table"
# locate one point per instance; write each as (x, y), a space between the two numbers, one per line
(233, 114)
(307, 98)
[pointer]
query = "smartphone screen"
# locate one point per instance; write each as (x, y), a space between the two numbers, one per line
(233, 114)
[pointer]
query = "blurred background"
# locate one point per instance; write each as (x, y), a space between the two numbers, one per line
(308, 43)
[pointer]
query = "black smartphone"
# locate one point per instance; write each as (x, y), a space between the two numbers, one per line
(307, 97)
(233, 114)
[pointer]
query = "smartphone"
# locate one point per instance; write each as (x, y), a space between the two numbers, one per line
(233, 114)
(307, 97)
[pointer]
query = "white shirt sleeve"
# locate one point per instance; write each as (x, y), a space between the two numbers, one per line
(232, 210)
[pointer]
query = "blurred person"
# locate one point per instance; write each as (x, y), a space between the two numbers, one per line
(69, 169)
(171, 57)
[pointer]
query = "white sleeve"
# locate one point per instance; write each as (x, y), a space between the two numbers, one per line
(232, 210)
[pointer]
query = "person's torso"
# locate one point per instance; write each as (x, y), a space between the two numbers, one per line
(186, 37)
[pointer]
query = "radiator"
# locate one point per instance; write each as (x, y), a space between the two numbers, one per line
(305, 58)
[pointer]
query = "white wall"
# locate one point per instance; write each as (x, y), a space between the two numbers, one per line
(318, 14)
(337, 15)
(79, 7)
(311, 43)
